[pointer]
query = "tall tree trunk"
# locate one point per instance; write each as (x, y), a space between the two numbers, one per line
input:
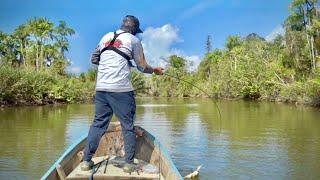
(41, 56)
(307, 22)
(313, 67)
(37, 57)
(313, 54)
(62, 52)
(21, 54)
(317, 34)
(26, 53)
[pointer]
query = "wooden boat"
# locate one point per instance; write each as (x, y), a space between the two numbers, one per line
(148, 149)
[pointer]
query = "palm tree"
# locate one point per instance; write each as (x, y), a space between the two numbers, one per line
(2, 44)
(62, 31)
(51, 53)
(21, 34)
(41, 29)
(8, 48)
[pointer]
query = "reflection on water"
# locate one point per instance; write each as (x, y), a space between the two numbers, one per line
(252, 140)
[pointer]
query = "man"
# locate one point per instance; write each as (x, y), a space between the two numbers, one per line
(114, 91)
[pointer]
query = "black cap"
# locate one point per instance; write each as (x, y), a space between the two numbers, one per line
(131, 24)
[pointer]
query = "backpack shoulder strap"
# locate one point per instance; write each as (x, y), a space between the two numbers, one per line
(112, 48)
(115, 36)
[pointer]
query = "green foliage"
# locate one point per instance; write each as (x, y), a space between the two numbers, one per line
(252, 68)
(286, 69)
(233, 41)
(24, 86)
(37, 43)
(305, 19)
(177, 63)
(59, 67)
(172, 87)
(33, 66)
(90, 75)
(297, 54)
(138, 82)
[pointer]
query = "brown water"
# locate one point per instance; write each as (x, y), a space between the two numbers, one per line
(252, 140)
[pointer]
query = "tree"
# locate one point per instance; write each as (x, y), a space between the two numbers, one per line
(305, 17)
(3, 37)
(208, 44)
(41, 29)
(233, 41)
(22, 35)
(62, 31)
(8, 48)
(37, 43)
(254, 36)
(51, 53)
(177, 62)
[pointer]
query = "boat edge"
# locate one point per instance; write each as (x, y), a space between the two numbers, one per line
(164, 151)
(65, 154)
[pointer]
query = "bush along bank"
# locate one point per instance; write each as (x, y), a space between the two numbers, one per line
(26, 87)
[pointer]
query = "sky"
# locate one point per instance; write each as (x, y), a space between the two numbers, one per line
(170, 27)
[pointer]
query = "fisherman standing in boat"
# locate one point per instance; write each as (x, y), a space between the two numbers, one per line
(114, 90)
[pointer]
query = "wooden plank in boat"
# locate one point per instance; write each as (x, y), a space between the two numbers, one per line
(112, 172)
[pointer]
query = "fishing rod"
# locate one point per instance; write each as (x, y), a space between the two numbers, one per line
(210, 97)
(182, 80)
(179, 79)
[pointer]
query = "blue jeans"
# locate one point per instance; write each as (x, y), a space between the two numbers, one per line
(123, 105)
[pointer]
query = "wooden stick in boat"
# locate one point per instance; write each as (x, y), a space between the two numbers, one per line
(193, 174)
(98, 166)
(61, 172)
(105, 168)
(104, 158)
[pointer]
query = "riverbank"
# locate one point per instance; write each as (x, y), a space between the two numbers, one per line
(305, 93)
(27, 87)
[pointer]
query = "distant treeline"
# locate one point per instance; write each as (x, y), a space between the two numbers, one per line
(33, 66)
(286, 69)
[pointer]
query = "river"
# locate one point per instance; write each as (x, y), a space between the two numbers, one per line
(252, 140)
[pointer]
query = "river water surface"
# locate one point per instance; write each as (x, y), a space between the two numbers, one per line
(253, 140)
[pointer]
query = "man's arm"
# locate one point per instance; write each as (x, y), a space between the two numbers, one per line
(95, 56)
(141, 62)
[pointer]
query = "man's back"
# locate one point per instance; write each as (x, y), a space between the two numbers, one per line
(114, 70)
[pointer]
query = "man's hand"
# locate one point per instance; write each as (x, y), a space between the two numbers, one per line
(158, 70)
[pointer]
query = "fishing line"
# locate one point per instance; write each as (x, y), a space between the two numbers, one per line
(210, 97)
(182, 80)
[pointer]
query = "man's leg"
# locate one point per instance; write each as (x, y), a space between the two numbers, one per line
(124, 107)
(101, 122)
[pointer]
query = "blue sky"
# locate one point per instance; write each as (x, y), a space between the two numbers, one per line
(181, 26)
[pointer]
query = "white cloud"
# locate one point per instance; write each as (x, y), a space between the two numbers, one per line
(158, 42)
(279, 30)
(75, 70)
(197, 8)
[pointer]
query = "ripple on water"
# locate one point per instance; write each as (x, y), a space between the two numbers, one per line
(251, 141)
